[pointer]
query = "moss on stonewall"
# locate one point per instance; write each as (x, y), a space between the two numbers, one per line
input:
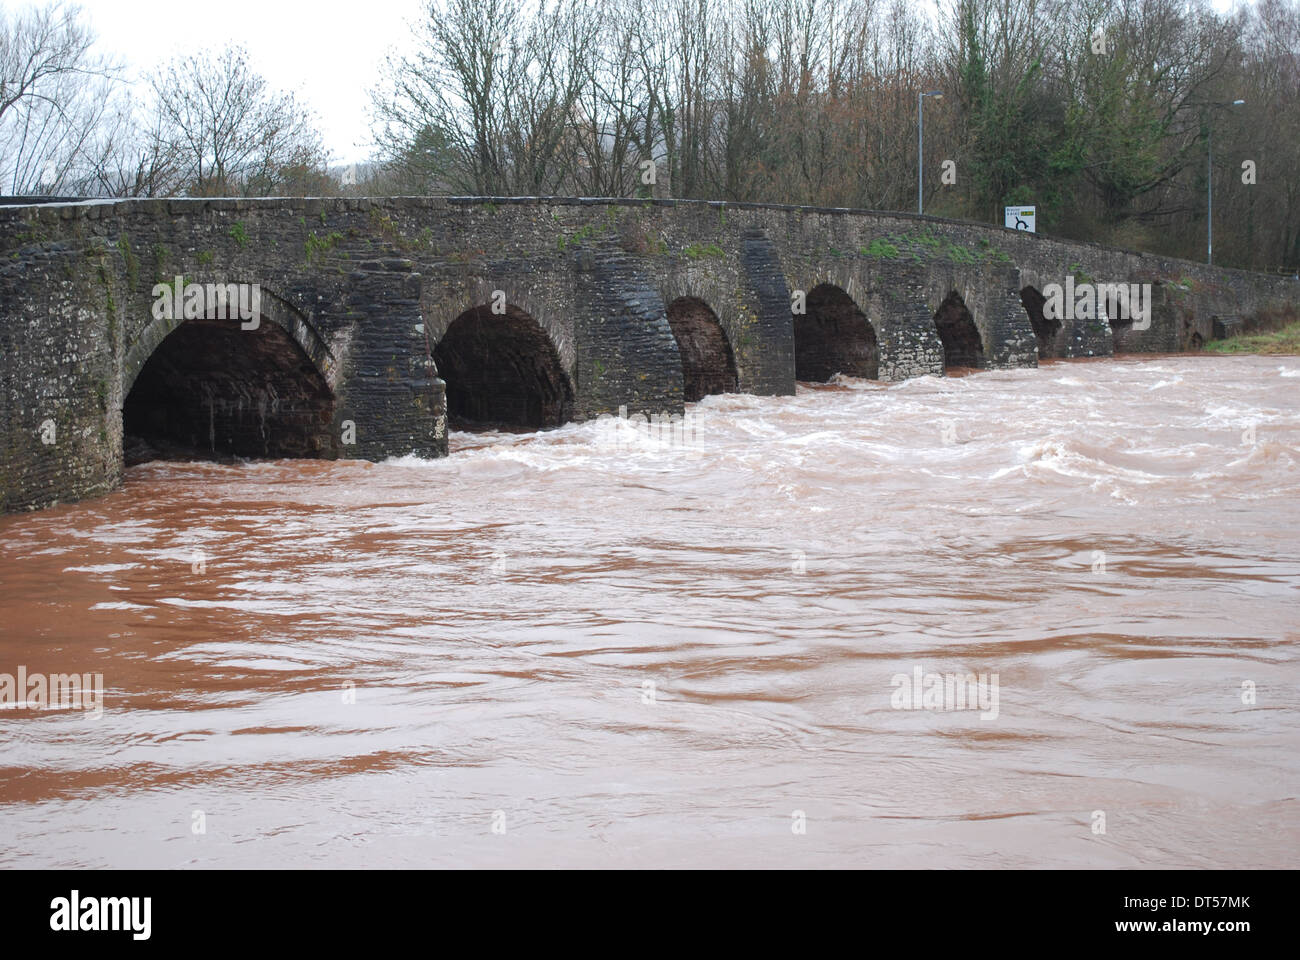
(382, 222)
(583, 234)
(131, 260)
(880, 247)
(698, 251)
(314, 246)
(160, 257)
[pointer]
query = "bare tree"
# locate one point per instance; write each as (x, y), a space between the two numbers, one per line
(229, 131)
(133, 158)
(545, 75)
(608, 117)
(54, 96)
(446, 100)
(493, 97)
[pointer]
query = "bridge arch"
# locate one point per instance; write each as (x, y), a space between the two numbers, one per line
(1047, 329)
(832, 336)
(708, 362)
(202, 387)
(503, 370)
(272, 307)
(962, 344)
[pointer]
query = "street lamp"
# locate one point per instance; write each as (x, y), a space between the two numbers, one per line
(1209, 181)
(920, 145)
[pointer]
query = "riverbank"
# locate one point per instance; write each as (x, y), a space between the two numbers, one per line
(1283, 341)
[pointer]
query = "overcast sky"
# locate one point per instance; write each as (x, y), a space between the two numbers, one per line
(328, 52)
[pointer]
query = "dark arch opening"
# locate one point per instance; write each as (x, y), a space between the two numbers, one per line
(213, 389)
(502, 370)
(708, 365)
(833, 336)
(960, 336)
(1045, 328)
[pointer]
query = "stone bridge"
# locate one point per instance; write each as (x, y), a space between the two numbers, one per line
(379, 320)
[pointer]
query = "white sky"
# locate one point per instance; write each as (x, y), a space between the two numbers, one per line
(328, 52)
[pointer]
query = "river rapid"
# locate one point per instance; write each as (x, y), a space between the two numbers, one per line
(596, 647)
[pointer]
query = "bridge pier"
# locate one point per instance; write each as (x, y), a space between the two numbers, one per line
(373, 323)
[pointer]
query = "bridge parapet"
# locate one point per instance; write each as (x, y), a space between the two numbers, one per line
(386, 316)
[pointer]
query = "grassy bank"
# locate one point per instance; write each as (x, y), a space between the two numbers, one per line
(1286, 340)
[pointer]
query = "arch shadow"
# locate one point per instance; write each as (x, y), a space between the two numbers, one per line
(962, 345)
(273, 307)
(833, 336)
(708, 362)
(1046, 329)
(202, 387)
(502, 371)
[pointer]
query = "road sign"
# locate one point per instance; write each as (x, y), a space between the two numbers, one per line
(1020, 218)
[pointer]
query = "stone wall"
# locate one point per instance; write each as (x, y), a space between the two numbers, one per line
(358, 297)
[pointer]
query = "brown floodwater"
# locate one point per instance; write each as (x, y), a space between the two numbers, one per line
(594, 647)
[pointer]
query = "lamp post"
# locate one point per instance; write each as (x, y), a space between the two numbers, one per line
(1209, 181)
(920, 146)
